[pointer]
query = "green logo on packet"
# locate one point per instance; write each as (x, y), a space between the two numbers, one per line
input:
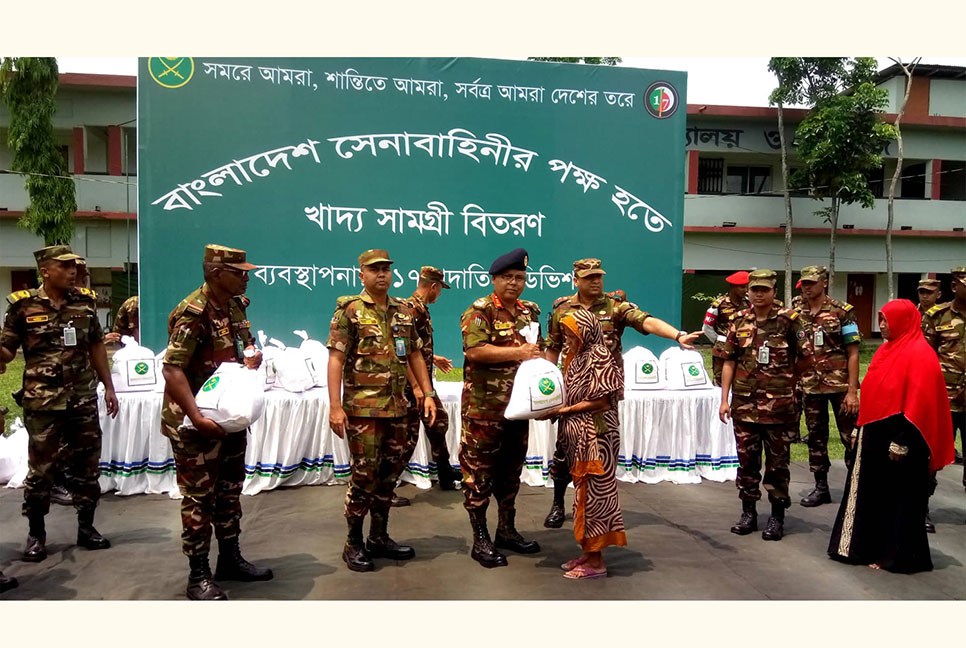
(211, 384)
(647, 368)
(693, 370)
(141, 368)
(547, 386)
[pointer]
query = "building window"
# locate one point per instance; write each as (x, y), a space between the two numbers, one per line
(913, 180)
(876, 180)
(793, 188)
(710, 175)
(952, 182)
(748, 180)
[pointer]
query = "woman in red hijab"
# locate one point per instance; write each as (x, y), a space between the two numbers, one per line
(903, 434)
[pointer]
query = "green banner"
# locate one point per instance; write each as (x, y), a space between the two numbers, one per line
(305, 163)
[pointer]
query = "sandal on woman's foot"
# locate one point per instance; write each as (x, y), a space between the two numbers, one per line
(570, 564)
(582, 572)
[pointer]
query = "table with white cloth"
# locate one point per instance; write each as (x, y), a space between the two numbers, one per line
(665, 436)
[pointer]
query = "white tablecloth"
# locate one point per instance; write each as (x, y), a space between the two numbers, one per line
(665, 435)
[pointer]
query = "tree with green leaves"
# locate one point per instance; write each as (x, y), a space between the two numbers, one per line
(839, 141)
(28, 86)
(590, 60)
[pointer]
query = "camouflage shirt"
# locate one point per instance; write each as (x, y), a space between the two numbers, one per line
(423, 324)
(201, 337)
(126, 322)
(612, 310)
(55, 374)
(824, 368)
(718, 318)
(487, 387)
(763, 392)
(945, 330)
(375, 342)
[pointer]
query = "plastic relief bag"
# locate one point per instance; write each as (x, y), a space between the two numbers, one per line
(13, 455)
(294, 370)
(234, 397)
(319, 355)
(642, 370)
(684, 369)
(134, 367)
(270, 354)
(538, 385)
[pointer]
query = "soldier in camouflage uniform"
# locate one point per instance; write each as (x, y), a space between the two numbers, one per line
(428, 290)
(720, 313)
(492, 448)
(206, 329)
(928, 293)
(372, 345)
(759, 370)
(63, 347)
(127, 321)
(615, 314)
(828, 373)
(944, 326)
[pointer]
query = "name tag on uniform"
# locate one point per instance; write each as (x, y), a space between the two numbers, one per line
(70, 336)
(368, 320)
(743, 334)
(941, 327)
(764, 354)
(502, 325)
(36, 319)
(400, 347)
(819, 337)
(223, 332)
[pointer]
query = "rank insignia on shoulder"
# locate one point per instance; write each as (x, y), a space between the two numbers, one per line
(14, 297)
(194, 308)
(847, 307)
(245, 301)
(480, 303)
(560, 300)
(792, 315)
(935, 309)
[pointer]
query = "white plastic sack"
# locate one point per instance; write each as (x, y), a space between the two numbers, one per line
(13, 455)
(134, 367)
(234, 397)
(269, 355)
(295, 371)
(538, 385)
(319, 355)
(642, 370)
(684, 369)
(158, 367)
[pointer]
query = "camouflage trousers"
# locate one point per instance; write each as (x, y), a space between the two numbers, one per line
(378, 449)
(211, 473)
(775, 439)
(56, 438)
(435, 433)
(816, 420)
(492, 454)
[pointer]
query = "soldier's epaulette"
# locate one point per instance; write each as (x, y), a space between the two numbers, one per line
(779, 303)
(938, 308)
(87, 292)
(480, 303)
(243, 300)
(14, 297)
(561, 300)
(531, 306)
(618, 295)
(840, 304)
(344, 300)
(197, 303)
(790, 313)
(717, 302)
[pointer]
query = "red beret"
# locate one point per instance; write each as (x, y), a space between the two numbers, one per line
(738, 279)
(798, 285)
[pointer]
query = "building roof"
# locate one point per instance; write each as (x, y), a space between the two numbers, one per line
(70, 79)
(932, 71)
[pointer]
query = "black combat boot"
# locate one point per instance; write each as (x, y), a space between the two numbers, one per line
(555, 518)
(820, 494)
(483, 551)
(398, 501)
(380, 545)
(748, 521)
(354, 554)
(201, 586)
(233, 567)
(35, 551)
(775, 528)
(448, 476)
(60, 495)
(87, 535)
(507, 536)
(7, 582)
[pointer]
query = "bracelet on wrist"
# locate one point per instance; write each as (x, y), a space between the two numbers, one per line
(897, 449)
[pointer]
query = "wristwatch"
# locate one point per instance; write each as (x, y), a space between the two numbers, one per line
(677, 337)
(430, 394)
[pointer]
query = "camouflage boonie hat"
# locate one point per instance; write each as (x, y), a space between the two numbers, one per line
(55, 253)
(928, 284)
(374, 256)
(432, 273)
(814, 273)
(587, 267)
(227, 256)
(766, 278)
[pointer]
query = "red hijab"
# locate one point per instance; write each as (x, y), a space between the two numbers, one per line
(904, 378)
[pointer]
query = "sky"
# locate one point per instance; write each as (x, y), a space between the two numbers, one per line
(727, 81)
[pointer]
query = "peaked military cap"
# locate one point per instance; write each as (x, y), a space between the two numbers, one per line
(227, 256)
(374, 256)
(766, 278)
(814, 273)
(432, 273)
(55, 253)
(587, 267)
(515, 260)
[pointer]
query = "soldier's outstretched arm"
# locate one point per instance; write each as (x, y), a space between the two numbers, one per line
(337, 416)
(177, 388)
(492, 354)
(663, 329)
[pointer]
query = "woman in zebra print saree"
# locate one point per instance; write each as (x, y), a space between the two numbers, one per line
(589, 426)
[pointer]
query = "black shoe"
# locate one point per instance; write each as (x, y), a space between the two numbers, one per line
(507, 536)
(820, 494)
(397, 501)
(930, 527)
(233, 567)
(748, 521)
(354, 554)
(483, 551)
(775, 529)
(35, 551)
(62, 496)
(87, 535)
(449, 478)
(201, 586)
(7, 582)
(380, 545)
(555, 518)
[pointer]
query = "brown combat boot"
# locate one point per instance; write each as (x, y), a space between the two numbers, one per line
(380, 545)
(354, 554)
(201, 586)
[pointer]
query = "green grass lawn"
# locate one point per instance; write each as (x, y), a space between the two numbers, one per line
(11, 381)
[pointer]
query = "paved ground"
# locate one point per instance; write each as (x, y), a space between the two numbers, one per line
(679, 548)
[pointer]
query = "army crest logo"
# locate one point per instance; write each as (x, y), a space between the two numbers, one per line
(647, 368)
(171, 71)
(547, 386)
(141, 368)
(693, 370)
(210, 384)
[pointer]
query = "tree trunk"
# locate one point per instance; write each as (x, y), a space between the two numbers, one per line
(788, 207)
(834, 222)
(895, 178)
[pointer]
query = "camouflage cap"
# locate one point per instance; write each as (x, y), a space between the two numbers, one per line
(82, 261)
(929, 284)
(374, 256)
(587, 267)
(766, 278)
(227, 256)
(55, 253)
(432, 273)
(959, 274)
(814, 273)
